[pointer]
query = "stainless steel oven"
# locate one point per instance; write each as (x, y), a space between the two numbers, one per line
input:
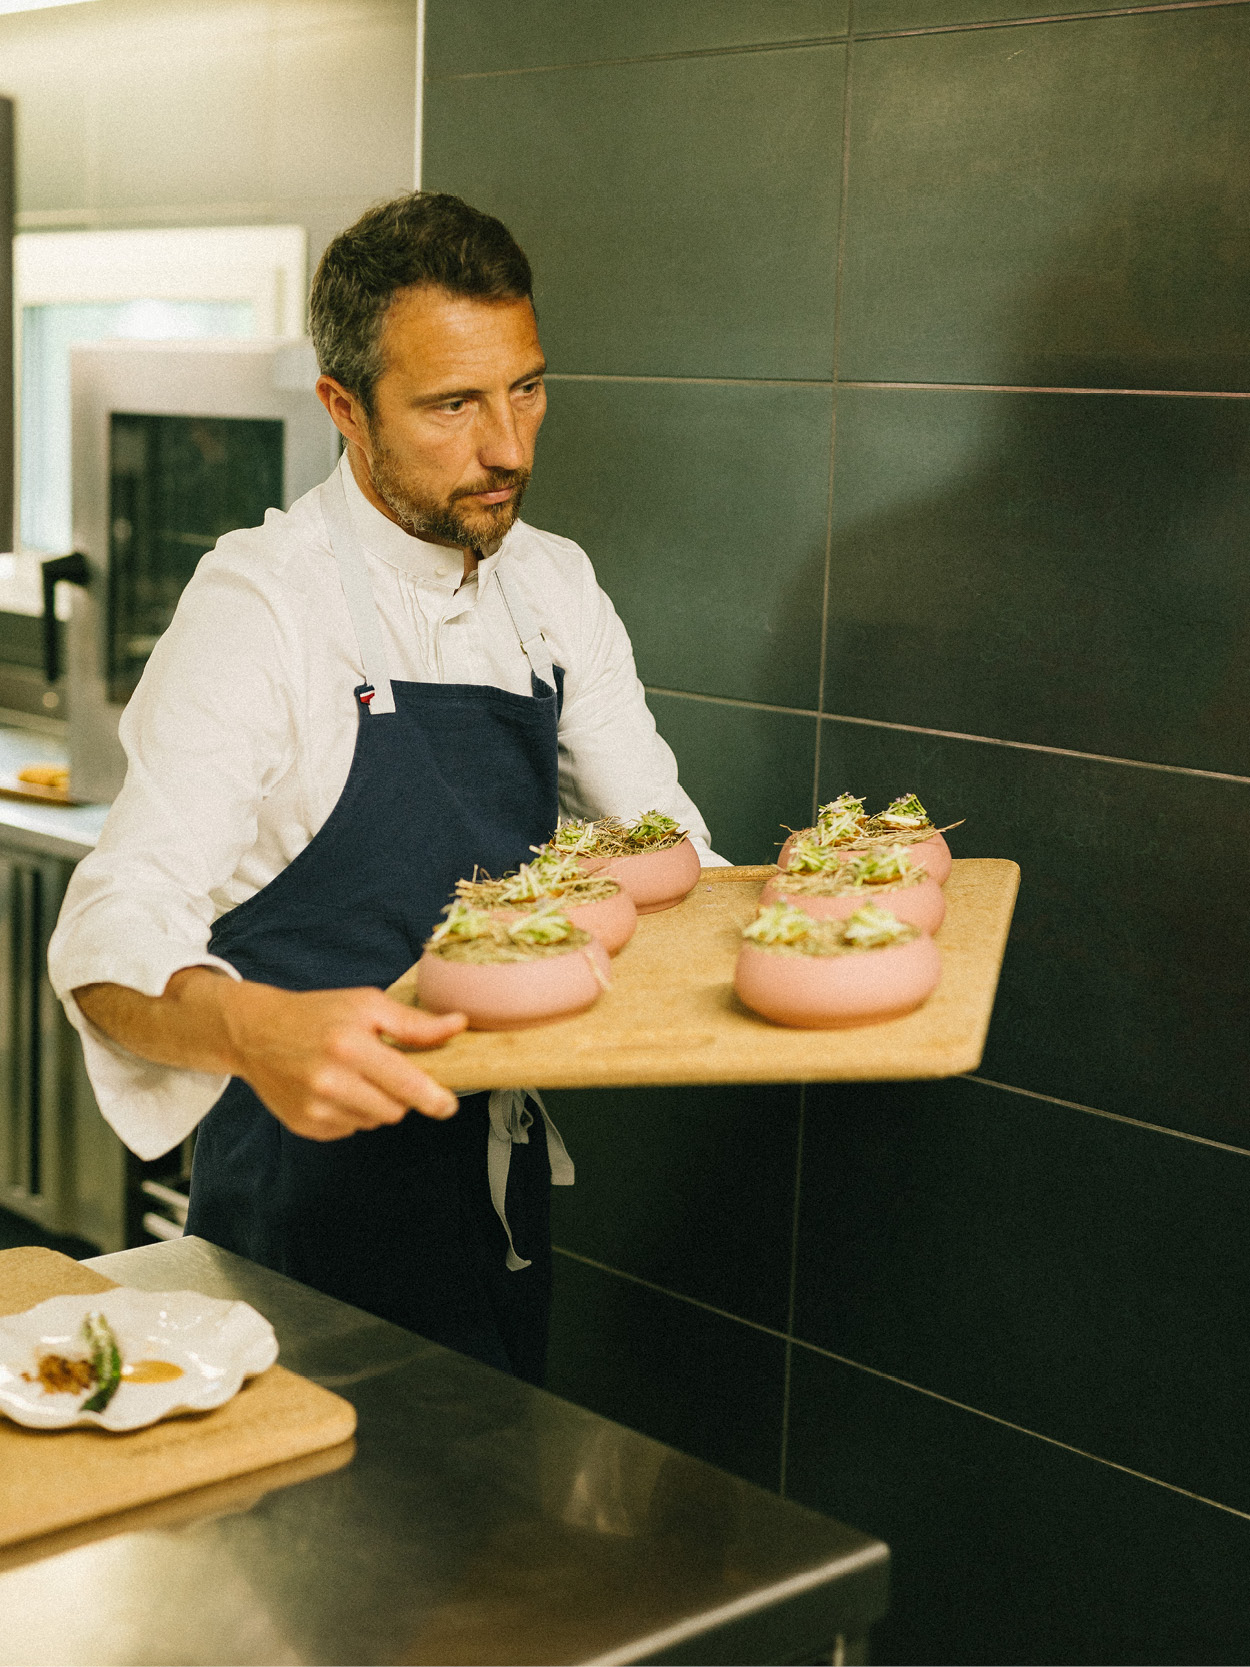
(174, 444)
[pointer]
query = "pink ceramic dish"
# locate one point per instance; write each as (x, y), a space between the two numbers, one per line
(829, 992)
(933, 853)
(610, 919)
(654, 879)
(512, 995)
(920, 904)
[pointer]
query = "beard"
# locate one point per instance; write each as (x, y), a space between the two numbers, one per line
(439, 519)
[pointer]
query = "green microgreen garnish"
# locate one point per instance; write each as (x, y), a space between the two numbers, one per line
(106, 1362)
(873, 928)
(469, 934)
(904, 812)
(782, 927)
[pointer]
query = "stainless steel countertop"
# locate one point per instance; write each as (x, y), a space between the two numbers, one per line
(479, 1520)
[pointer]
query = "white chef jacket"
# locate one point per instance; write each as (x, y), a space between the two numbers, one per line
(240, 736)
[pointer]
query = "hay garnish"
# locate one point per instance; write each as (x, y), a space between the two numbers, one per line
(609, 836)
(550, 875)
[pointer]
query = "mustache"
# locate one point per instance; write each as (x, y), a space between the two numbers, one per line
(496, 480)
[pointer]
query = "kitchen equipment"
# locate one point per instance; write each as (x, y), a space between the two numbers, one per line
(671, 1015)
(174, 444)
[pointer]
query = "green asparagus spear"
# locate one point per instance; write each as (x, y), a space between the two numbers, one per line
(106, 1361)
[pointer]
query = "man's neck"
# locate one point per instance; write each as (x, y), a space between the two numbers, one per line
(363, 476)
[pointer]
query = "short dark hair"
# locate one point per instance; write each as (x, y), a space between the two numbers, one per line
(423, 237)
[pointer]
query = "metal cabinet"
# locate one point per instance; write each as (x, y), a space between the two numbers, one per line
(60, 1163)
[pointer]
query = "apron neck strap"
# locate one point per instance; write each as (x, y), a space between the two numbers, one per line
(359, 593)
(525, 622)
(354, 577)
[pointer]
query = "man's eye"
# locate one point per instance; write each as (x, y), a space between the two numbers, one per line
(453, 405)
(529, 389)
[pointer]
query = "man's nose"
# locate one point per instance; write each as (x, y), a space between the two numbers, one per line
(500, 445)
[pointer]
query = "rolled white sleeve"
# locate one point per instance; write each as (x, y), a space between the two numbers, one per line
(206, 735)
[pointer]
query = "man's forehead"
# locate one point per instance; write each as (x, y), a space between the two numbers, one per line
(430, 335)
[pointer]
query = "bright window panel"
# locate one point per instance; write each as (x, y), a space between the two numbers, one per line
(48, 333)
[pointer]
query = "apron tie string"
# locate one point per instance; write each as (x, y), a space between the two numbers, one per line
(510, 1120)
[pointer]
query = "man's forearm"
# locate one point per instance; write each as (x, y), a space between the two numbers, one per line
(186, 1026)
(323, 1061)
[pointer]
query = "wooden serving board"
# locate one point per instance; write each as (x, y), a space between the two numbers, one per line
(671, 1015)
(52, 1479)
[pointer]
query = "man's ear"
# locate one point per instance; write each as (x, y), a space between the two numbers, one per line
(345, 411)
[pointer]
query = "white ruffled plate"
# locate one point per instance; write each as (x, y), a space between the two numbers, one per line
(217, 1344)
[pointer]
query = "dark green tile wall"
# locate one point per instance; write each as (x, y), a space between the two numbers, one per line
(711, 500)
(1028, 606)
(1006, 1548)
(729, 1156)
(1052, 205)
(747, 768)
(1087, 1308)
(960, 516)
(701, 1381)
(481, 36)
(681, 216)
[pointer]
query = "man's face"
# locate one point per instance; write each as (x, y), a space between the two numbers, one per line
(456, 413)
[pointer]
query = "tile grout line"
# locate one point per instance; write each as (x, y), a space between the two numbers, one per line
(815, 42)
(732, 700)
(1022, 1429)
(663, 1291)
(794, 1276)
(1035, 388)
(692, 381)
(834, 383)
(742, 50)
(1035, 18)
(950, 734)
(1112, 1116)
(1038, 746)
(902, 1383)
(827, 577)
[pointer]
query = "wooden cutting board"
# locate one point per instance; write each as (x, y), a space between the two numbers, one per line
(671, 1015)
(52, 1479)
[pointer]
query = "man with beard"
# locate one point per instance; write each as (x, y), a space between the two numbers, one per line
(395, 680)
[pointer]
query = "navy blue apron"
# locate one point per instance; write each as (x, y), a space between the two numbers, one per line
(399, 1220)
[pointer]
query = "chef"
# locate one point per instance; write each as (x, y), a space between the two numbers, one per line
(391, 682)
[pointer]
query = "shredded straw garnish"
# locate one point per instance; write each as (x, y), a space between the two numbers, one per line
(610, 837)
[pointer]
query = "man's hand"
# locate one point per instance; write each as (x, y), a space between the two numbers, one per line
(316, 1059)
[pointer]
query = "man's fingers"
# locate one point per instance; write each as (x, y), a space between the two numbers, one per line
(352, 1094)
(412, 1028)
(399, 1076)
(323, 1123)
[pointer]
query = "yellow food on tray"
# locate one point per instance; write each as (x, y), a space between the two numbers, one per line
(46, 775)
